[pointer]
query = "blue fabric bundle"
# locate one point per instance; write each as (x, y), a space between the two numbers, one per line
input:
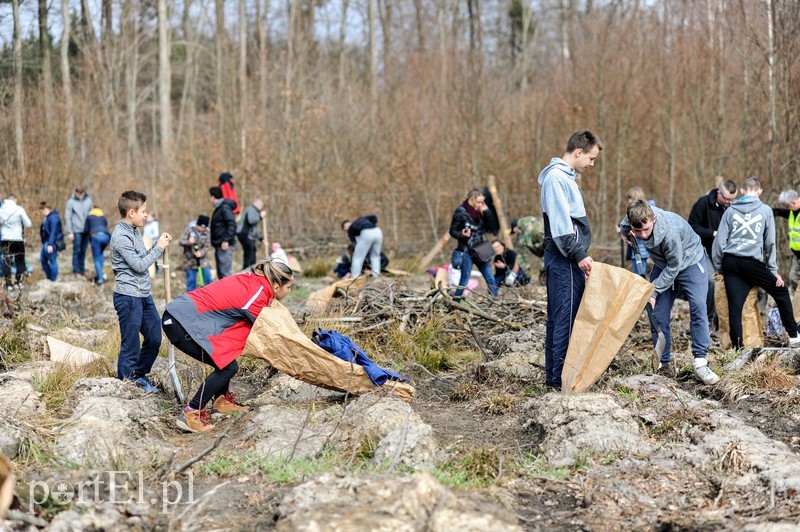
(343, 347)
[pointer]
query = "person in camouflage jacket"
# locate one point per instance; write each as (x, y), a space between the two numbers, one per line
(529, 234)
(196, 242)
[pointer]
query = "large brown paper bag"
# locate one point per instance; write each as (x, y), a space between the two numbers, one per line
(278, 340)
(611, 305)
(752, 328)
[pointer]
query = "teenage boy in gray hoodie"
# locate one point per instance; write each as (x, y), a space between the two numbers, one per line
(744, 252)
(567, 237)
(133, 302)
(679, 261)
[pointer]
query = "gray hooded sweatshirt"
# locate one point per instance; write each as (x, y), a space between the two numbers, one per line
(566, 227)
(673, 246)
(747, 229)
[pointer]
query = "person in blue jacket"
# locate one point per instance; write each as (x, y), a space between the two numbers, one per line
(51, 233)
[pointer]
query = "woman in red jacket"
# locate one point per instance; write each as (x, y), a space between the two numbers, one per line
(211, 324)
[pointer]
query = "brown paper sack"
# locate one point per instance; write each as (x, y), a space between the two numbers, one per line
(752, 329)
(64, 353)
(278, 340)
(318, 301)
(7, 483)
(611, 305)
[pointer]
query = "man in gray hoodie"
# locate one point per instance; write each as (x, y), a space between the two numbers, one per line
(744, 252)
(75, 213)
(567, 237)
(679, 262)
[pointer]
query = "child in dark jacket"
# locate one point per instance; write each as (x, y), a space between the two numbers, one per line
(51, 233)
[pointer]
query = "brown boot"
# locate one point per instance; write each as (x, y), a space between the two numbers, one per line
(226, 404)
(194, 420)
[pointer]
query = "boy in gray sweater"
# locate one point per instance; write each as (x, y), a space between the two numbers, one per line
(744, 252)
(135, 307)
(679, 261)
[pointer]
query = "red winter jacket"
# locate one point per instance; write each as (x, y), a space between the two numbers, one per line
(219, 316)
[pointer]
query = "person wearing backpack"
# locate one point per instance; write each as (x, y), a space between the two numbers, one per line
(12, 219)
(211, 325)
(99, 237)
(467, 227)
(52, 234)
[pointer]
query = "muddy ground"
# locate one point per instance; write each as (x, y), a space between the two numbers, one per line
(482, 446)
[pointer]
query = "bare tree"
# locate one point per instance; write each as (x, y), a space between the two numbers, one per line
(373, 62)
(164, 81)
(242, 85)
(18, 96)
(66, 79)
(47, 67)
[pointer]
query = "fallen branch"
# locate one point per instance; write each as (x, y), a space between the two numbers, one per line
(203, 453)
(480, 313)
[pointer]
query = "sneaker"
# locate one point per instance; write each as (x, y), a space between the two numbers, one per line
(145, 384)
(226, 404)
(667, 369)
(705, 375)
(794, 342)
(194, 420)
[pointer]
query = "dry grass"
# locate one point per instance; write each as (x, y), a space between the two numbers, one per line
(56, 383)
(760, 376)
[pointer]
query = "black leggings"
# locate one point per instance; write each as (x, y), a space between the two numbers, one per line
(218, 382)
(741, 274)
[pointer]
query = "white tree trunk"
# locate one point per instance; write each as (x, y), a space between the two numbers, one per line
(164, 81)
(66, 80)
(18, 133)
(242, 86)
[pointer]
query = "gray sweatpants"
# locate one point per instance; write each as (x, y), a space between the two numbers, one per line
(224, 258)
(367, 243)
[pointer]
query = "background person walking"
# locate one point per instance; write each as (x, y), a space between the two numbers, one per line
(75, 213)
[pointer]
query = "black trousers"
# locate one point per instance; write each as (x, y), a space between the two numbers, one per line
(741, 274)
(249, 248)
(13, 250)
(218, 382)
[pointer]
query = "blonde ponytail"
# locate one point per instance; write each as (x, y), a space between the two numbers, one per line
(277, 272)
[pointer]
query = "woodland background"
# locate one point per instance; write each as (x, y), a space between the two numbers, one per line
(330, 109)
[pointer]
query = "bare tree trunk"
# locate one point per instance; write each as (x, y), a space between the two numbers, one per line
(187, 104)
(773, 125)
(242, 88)
(263, 54)
(18, 96)
(566, 27)
(219, 67)
(373, 62)
(342, 35)
(418, 19)
(385, 13)
(164, 82)
(108, 20)
(47, 67)
(66, 79)
(130, 33)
